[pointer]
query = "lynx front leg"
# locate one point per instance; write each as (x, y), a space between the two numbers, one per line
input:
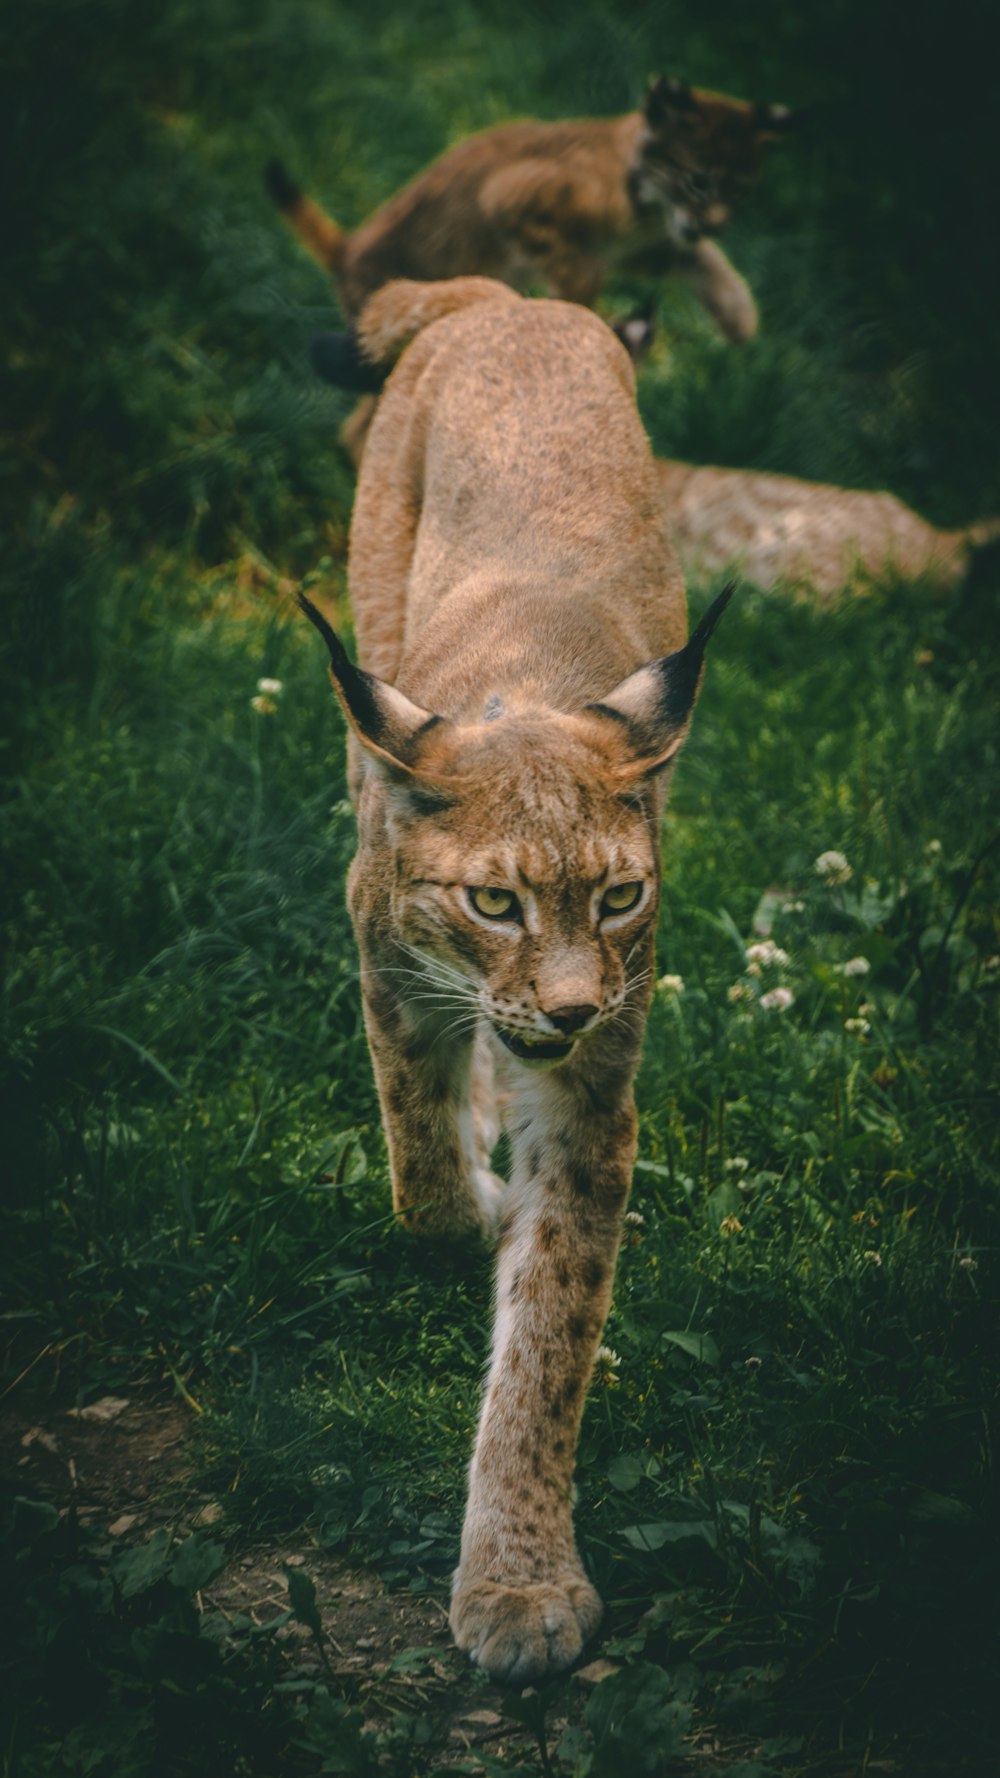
(423, 1074)
(721, 290)
(521, 1603)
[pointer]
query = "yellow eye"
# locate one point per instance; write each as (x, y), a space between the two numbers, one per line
(620, 897)
(495, 904)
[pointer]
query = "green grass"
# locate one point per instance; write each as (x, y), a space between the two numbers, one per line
(785, 1483)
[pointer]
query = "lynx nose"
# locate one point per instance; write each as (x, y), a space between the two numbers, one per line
(570, 1018)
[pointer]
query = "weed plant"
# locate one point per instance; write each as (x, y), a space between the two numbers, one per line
(785, 1475)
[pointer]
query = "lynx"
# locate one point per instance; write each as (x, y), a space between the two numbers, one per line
(524, 692)
(560, 204)
(778, 528)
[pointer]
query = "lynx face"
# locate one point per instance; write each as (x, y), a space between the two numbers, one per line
(700, 156)
(526, 902)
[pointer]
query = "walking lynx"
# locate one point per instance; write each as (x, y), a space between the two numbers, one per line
(524, 692)
(560, 204)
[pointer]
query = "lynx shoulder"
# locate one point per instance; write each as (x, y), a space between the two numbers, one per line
(559, 204)
(525, 688)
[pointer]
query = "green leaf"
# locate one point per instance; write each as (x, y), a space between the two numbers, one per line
(653, 1537)
(725, 1200)
(302, 1599)
(626, 1473)
(196, 1562)
(700, 1346)
(637, 1721)
(135, 1571)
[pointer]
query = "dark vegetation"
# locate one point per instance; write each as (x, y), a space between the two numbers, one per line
(786, 1480)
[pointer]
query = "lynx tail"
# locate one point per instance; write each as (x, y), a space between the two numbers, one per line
(318, 232)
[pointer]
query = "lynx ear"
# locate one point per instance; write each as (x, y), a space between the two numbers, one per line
(386, 723)
(664, 95)
(657, 701)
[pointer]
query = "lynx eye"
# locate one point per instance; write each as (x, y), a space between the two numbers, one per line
(620, 897)
(495, 904)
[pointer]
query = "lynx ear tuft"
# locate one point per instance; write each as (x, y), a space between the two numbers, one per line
(657, 702)
(384, 720)
(665, 95)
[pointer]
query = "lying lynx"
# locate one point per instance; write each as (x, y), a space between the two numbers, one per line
(559, 204)
(526, 688)
(777, 528)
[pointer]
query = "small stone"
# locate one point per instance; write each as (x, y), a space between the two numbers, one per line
(364, 1643)
(209, 1514)
(38, 1436)
(108, 1408)
(595, 1671)
(295, 1561)
(123, 1524)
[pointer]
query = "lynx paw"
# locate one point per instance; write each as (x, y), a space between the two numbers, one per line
(736, 313)
(521, 1633)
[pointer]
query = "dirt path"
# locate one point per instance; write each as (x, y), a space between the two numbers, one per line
(123, 1464)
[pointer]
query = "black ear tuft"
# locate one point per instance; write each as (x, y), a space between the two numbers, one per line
(681, 672)
(280, 185)
(336, 357)
(666, 94)
(387, 722)
(703, 631)
(357, 688)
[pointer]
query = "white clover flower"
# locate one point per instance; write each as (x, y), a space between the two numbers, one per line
(853, 966)
(670, 984)
(264, 706)
(753, 1363)
(737, 1163)
(858, 1026)
(874, 1258)
(271, 688)
(737, 991)
(634, 1228)
(767, 953)
(777, 1000)
(933, 849)
(606, 1364)
(833, 868)
(968, 1264)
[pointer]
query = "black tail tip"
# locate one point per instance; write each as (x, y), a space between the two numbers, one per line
(335, 358)
(280, 185)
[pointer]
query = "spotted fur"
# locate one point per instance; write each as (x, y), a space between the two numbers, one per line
(775, 528)
(526, 689)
